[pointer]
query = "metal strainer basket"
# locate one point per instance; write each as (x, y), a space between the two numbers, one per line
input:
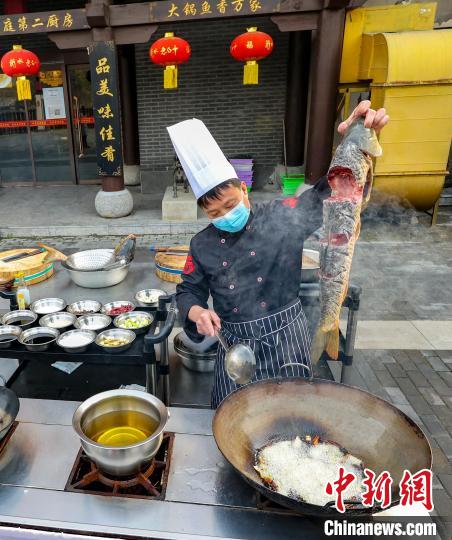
(91, 259)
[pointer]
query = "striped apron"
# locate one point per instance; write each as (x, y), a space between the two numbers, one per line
(276, 339)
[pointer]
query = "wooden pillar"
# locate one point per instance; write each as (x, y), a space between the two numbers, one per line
(297, 96)
(129, 108)
(106, 106)
(326, 60)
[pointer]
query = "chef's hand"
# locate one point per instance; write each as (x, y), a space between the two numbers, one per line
(373, 119)
(207, 321)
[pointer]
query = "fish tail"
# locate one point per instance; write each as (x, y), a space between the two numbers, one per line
(332, 343)
(325, 341)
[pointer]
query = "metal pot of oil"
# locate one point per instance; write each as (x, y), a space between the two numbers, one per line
(121, 430)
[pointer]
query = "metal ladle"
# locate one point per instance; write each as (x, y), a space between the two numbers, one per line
(240, 362)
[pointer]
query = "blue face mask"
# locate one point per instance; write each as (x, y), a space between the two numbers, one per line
(234, 220)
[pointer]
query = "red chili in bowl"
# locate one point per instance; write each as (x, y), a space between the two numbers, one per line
(120, 309)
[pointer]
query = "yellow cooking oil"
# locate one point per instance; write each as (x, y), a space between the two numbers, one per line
(121, 428)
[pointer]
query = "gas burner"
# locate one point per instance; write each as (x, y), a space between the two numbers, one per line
(8, 436)
(150, 483)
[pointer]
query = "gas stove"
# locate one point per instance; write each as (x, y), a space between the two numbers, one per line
(150, 483)
(44, 485)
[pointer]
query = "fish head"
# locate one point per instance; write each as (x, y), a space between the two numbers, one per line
(364, 138)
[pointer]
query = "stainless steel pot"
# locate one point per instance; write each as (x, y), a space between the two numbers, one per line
(310, 272)
(96, 279)
(109, 408)
(192, 360)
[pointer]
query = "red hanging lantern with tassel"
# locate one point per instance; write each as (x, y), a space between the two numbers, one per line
(170, 51)
(251, 47)
(21, 63)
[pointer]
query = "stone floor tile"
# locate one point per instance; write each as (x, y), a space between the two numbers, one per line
(396, 395)
(418, 378)
(433, 425)
(437, 333)
(386, 378)
(420, 405)
(407, 386)
(431, 396)
(389, 335)
(446, 481)
(445, 443)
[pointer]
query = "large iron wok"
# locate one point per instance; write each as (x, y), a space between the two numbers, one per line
(366, 425)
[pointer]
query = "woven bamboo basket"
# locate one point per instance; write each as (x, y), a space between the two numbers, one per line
(169, 267)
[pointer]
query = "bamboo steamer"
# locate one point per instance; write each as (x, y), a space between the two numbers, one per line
(35, 268)
(170, 267)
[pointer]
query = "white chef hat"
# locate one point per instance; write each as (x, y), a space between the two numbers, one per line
(200, 156)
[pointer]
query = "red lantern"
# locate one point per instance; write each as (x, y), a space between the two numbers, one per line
(170, 51)
(250, 47)
(20, 63)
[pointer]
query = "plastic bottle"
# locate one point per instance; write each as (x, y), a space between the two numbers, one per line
(22, 293)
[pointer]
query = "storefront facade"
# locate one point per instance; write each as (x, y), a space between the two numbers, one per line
(52, 137)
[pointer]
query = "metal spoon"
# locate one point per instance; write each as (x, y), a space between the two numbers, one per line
(240, 362)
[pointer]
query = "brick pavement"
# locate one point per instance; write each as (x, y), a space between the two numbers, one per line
(420, 384)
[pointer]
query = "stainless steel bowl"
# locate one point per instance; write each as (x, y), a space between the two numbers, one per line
(149, 297)
(115, 409)
(94, 321)
(60, 320)
(116, 333)
(192, 360)
(48, 305)
(97, 279)
(38, 339)
(23, 318)
(84, 307)
(111, 305)
(87, 334)
(310, 273)
(121, 320)
(9, 334)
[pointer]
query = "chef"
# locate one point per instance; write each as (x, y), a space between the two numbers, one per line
(248, 259)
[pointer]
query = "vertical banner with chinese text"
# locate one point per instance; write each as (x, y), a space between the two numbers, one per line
(106, 107)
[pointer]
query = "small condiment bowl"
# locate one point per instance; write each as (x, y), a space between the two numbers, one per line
(8, 334)
(120, 320)
(60, 320)
(78, 348)
(40, 332)
(106, 308)
(153, 294)
(116, 333)
(45, 306)
(23, 318)
(93, 321)
(84, 307)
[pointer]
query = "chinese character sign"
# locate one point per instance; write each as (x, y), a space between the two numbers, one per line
(49, 21)
(413, 488)
(106, 106)
(199, 9)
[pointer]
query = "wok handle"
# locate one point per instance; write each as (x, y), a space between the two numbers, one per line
(311, 376)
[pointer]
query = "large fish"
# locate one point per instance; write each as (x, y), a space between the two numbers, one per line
(350, 179)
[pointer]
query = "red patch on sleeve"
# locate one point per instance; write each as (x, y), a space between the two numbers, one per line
(189, 265)
(292, 202)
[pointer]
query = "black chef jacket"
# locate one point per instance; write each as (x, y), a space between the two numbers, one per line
(255, 271)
